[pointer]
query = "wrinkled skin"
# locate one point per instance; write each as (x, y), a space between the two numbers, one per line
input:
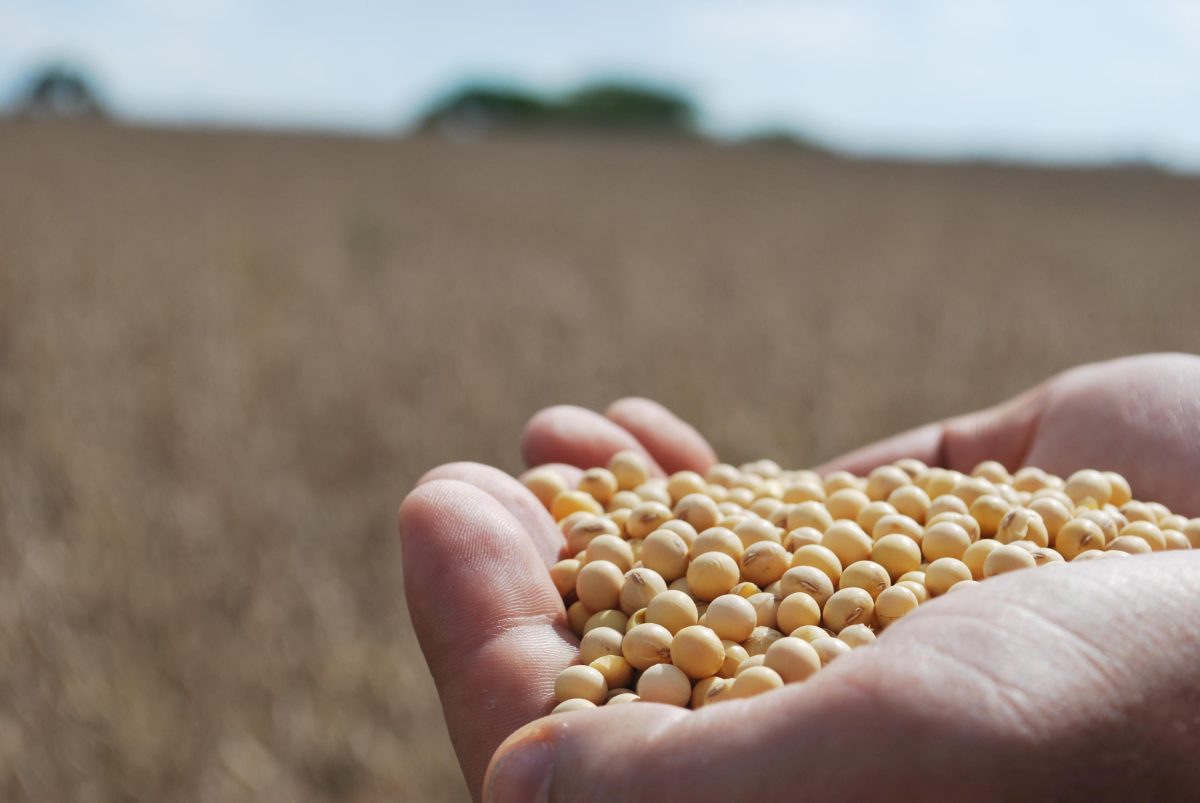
(1076, 682)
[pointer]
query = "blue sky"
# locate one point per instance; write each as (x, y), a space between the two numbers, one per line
(1068, 80)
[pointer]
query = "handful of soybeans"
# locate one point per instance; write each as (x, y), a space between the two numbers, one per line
(694, 589)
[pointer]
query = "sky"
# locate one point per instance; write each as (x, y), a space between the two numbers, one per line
(1024, 79)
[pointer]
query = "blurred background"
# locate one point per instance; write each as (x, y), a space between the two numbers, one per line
(264, 263)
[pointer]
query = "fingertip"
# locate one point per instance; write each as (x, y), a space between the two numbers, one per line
(578, 437)
(674, 443)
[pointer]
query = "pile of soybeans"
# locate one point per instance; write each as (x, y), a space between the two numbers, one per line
(693, 589)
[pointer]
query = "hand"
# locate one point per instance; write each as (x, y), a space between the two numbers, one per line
(1075, 685)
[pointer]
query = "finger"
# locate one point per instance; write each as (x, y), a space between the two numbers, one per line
(578, 437)
(674, 443)
(488, 618)
(516, 499)
(648, 753)
(570, 474)
(1003, 433)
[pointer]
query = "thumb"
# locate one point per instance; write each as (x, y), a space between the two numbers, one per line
(769, 747)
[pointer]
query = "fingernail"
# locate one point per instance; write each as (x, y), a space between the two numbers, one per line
(523, 774)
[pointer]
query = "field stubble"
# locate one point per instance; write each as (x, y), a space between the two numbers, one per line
(224, 358)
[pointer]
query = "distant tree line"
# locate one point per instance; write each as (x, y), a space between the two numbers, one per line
(480, 109)
(60, 92)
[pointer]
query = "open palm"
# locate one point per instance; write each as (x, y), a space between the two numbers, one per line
(1062, 686)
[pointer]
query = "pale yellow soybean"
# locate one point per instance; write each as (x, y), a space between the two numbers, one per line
(1007, 558)
(1138, 511)
(945, 540)
(1088, 484)
(665, 552)
(1175, 539)
(755, 681)
(976, 554)
(944, 573)
(709, 686)
(1054, 515)
(745, 589)
(765, 507)
(993, 471)
(946, 504)
(897, 554)
(793, 659)
(722, 474)
(712, 574)
(846, 503)
(1022, 524)
(682, 483)
(681, 528)
(581, 682)
(911, 466)
(837, 480)
(989, 510)
(647, 645)
(894, 523)
(829, 648)
(1105, 521)
(646, 518)
(673, 610)
(802, 537)
(1030, 479)
(599, 483)
(698, 510)
(638, 618)
(1132, 544)
(664, 683)
(577, 617)
(617, 671)
(1044, 556)
(545, 483)
(848, 542)
(717, 539)
(809, 514)
(870, 515)
(630, 470)
(797, 610)
(567, 502)
(910, 501)
(1120, 492)
(611, 548)
(894, 603)
(731, 617)
(820, 557)
(1079, 535)
(563, 574)
(967, 522)
(766, 608)
(587, 529)
(623, 501)
(964, 584)
(848, 606)
(751, 662)
(752, 530)
(969, 489)
(598, 585)
(867, 575)
(804, 491)
(698, 651)
(808, 580)
(1192, 531)
(809, 633)
(574, 704)
(917, 587)
(760, 639)
(599, 642)
(765, 562)
(859, 635)
(610, 618)
(623, 698)
(735, 653)
(882, 481)
(639, 588)
(1150, 533)
(938, 482)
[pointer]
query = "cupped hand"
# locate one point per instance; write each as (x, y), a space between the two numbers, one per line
(1077, 682)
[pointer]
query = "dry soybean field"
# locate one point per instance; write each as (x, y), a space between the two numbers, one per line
(225, 357)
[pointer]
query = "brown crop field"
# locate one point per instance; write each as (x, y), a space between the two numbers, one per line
(224, 358)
